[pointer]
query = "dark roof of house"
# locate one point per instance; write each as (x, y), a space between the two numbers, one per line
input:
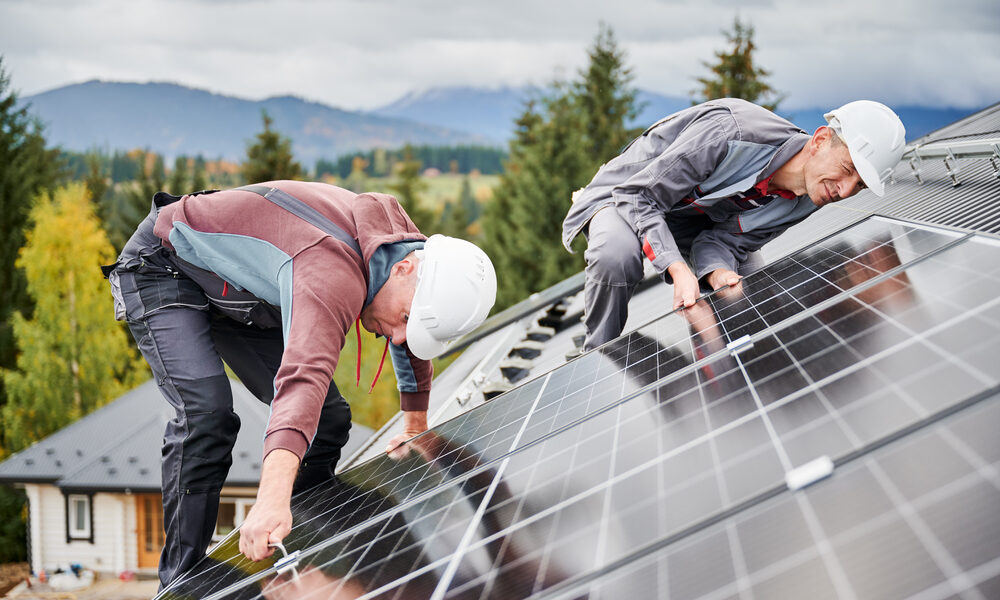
(117, 447)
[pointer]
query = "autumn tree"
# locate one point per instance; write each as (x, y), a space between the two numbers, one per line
(736, 74)
(357, 181)
(270, 156)
(73, 357)
(26, 168)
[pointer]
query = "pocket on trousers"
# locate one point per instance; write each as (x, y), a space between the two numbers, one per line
(116, 294)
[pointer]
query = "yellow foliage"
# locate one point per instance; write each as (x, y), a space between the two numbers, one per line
(73, 356)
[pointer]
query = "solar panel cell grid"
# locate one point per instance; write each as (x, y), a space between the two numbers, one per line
(915, 518)
(653, 439)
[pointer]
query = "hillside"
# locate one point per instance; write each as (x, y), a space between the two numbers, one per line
(174, 120)
(491, 113)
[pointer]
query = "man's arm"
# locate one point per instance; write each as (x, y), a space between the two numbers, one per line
(413, 377)
(414, 423)
(670, 176)
(717, 253)
(270, 519)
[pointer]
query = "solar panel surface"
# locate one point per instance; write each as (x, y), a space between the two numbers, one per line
(653, 455)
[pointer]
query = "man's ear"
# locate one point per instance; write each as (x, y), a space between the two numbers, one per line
(404, 267)
(820, 137)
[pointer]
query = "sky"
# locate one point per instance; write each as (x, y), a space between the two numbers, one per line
(363, 54)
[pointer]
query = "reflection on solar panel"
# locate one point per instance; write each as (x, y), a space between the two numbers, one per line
(829, 430)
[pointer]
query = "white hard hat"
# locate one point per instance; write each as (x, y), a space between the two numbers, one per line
(874, 136)
(456, 288)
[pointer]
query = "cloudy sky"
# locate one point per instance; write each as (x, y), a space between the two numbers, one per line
(360, 54)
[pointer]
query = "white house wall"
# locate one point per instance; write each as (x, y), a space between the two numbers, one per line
(114, 532)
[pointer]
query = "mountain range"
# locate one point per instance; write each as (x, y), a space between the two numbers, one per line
(176, 120)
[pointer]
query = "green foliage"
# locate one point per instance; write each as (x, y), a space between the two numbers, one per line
(408, 187)
(97, 180)
(606, 99)
(357, 181)
(325, 168)
(735, 74)
(178, 182)
(199, 179)
(127, 203)
(73, 355)
(26, 168)
(557, 147)
(468, 201)
(454, 221)
(13, 525)
(270, 157)
(372, 409)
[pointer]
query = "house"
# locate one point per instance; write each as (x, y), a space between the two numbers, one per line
(93, 487)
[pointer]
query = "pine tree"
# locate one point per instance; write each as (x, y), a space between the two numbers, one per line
(468, 201)
(270, 157)
(73, 355)
(199, 181)
(606, 98)
(408, 187)
(178, 182)
(129, 202)
(736, 73)
(454, 220)
(26, 168)
(96, 181)
(557, 147)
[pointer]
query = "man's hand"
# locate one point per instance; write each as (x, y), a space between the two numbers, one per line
(414, 423)
(721, 278)
(685, 284)
(270, 519)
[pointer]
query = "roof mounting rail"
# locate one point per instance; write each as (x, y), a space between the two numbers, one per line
(950, 152)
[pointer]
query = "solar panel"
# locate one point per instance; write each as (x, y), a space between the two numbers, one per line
(679, 442)
(913, 519)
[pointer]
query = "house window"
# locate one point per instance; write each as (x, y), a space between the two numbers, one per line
(232, 512)
(79, 514)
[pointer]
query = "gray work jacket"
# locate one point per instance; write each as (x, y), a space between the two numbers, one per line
(686, 169)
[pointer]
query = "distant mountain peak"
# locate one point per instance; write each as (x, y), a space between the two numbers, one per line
(174, 119)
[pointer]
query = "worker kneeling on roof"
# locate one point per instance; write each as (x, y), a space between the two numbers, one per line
(270, 278)
(710, 185)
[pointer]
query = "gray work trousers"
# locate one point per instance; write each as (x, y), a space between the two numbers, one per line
(185, 341)
(614, 269)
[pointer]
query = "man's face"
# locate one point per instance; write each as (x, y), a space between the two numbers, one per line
(829, 173)
(389, 311)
